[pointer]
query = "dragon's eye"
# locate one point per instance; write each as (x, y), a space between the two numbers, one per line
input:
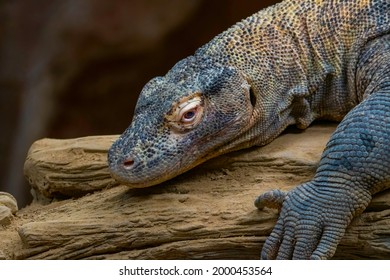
(187, 114)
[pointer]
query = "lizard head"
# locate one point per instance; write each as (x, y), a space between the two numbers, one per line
(181, 120)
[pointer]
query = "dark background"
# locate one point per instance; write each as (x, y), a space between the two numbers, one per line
(72, 68)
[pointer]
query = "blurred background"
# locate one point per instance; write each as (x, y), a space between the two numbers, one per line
(72, 68)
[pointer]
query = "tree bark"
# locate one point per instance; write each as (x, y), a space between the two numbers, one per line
(206, 213)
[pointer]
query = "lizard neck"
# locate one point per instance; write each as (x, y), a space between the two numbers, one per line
(296, 76)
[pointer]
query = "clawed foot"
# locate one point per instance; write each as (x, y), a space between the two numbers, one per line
(312, 221)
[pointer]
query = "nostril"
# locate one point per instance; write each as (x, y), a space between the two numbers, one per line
(128, 163)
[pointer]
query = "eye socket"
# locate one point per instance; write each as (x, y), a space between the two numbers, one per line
(187, 113)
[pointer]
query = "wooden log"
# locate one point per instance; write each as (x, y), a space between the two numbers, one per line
(207, 213)
(69, 168)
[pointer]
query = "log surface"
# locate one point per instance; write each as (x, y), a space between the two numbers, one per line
(207, 213)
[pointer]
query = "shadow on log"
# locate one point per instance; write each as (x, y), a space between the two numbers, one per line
(206, 213)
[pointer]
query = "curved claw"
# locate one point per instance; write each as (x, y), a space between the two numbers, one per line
(271, 199)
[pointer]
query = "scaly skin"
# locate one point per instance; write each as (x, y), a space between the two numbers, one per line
(289, 64)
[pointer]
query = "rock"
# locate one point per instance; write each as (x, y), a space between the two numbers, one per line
(8, 201)
(5, 215)
(206, 213)
(69, 168)
(2, 256)
(8, 207)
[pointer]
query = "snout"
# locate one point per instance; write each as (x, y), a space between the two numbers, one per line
(122, 165)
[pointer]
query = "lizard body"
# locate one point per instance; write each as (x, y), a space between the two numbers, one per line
(290, 64)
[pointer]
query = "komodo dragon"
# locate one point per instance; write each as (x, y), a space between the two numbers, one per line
(290, 64)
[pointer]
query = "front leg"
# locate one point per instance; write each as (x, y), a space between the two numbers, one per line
(354, 166)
